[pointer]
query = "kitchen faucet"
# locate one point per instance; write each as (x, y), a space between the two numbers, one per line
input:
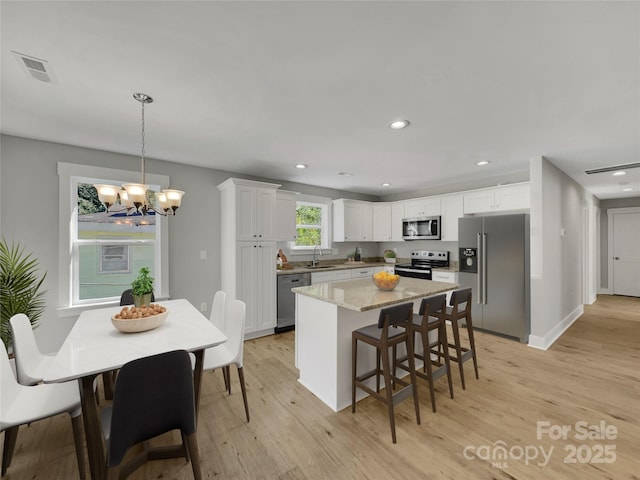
(314, 262)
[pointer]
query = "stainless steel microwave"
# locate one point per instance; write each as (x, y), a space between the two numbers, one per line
(421, 228)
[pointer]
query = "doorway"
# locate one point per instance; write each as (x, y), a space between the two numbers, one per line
(623, 252)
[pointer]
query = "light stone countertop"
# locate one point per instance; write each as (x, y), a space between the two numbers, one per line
(330, 267)
(361, 295)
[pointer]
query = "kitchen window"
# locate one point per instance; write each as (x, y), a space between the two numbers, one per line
(312, 224)
(101, 252)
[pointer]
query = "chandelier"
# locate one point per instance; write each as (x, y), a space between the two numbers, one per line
(134, 197)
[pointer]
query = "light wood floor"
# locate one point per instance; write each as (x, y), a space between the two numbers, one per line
(591, 374)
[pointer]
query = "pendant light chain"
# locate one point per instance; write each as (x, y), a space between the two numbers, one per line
(143, 101)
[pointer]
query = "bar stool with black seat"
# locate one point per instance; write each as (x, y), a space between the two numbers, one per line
(392, 329)
(460, 309)
(430, 319)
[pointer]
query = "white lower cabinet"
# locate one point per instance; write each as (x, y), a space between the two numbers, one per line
(256, 285)
(333, 276)
(362, 272)
(451, 277)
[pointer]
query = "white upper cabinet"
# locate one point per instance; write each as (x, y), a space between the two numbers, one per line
(382, 222)
(452, 210)
(254, 205)
(422, 207)
(397, 214)
(285, 222)
(352, 221)
(498, 199)
(513, 197)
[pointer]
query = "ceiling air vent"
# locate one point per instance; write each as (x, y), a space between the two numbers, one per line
(613, 168)
(35, 67)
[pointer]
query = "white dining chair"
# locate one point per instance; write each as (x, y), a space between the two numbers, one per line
(20, 404)
(30, 362)
(230, 352)
(218, 308)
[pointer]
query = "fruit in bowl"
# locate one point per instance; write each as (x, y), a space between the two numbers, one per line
(386, 281)
(139, 319)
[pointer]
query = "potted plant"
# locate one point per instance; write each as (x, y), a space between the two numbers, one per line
(142, 288)
(19, 288)
(389, 256)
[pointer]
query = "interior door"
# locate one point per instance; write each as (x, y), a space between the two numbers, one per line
(626, 255)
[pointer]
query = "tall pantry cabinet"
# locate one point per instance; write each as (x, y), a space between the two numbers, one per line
(248, 216)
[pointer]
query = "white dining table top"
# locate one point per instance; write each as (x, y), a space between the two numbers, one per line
(94, 345)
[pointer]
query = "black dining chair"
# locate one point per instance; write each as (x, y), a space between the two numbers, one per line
(153, 395)
(127, 297)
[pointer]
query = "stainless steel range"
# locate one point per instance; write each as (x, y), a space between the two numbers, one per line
(422, 262)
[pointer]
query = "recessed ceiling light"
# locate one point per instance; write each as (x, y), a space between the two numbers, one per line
(628, 189)
(386, 184)
(345, 174)
(482, 163)
(619, 173)
(399, 124)
(301, 165)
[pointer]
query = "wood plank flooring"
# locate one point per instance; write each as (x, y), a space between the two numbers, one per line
(591, 374)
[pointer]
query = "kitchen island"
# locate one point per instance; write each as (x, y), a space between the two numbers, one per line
(327, 313)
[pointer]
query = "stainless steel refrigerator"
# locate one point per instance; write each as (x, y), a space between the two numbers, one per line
(494, 262)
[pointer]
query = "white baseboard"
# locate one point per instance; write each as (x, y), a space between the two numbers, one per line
(543, 343)
(604, 291)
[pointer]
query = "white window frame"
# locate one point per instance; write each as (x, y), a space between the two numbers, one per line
(325, 236)
(69, 175)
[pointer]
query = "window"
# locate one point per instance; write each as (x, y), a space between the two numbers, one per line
(105, 250)
(114, 259)
(312, 224)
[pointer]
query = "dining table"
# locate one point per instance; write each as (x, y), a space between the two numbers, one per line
(95, 346)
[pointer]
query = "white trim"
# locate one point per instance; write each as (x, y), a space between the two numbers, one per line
(543, 343)
(610, 213)
(67, 211)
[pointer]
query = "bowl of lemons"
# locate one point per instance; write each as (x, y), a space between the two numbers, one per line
(386, 281)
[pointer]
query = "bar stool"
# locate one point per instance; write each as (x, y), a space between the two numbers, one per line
(460, 308)
(430, 318)
(383, 335)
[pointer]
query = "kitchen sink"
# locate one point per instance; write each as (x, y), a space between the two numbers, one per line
(314, 267)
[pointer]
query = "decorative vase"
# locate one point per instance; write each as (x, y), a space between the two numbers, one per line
(139, 300)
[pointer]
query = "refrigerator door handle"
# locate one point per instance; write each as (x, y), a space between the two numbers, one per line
(479, 250)
(484, 268)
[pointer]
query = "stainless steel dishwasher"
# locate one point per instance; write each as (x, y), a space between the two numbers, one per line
(287, 299)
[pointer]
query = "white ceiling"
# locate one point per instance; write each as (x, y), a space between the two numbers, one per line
(256, 87)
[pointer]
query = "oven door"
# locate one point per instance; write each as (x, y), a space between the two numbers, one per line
(421, 273)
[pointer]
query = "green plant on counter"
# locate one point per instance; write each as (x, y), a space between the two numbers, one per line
(389, 254)
(19, 288)
(143, 284)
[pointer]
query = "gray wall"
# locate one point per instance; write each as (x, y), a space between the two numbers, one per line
(604, 230)
(29, 214)
(557, 204)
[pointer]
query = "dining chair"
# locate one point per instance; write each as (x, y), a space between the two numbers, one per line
(218, 308)
(30, 362)
(230, 352)
(127, 297)
(20, 405)
(153, 395)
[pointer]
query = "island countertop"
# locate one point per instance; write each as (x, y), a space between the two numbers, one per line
(361, 295)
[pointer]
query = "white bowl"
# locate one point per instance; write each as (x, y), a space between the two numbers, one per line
(139, 324)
